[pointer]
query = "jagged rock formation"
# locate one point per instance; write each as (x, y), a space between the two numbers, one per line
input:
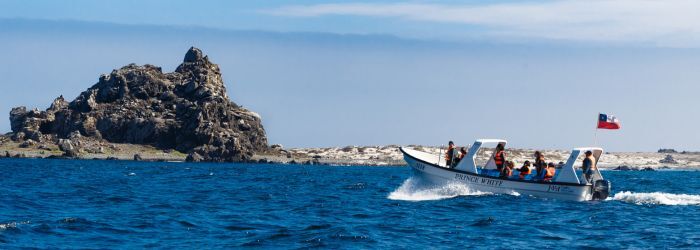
(187, 110)
(668, 160)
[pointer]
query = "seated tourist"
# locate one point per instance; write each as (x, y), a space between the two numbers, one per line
(550, 171)
(507, 170)
(525, 170)
(460, 156)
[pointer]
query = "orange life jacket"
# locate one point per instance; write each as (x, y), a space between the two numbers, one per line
(499, 158)
(448, 152)
(524, 173)
(549, 174)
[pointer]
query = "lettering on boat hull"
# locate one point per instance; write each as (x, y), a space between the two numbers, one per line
(478, 180)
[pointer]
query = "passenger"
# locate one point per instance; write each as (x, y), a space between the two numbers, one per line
(549, 173)
(525, 170)
(540, 165)
(449, 154)
(589, 165)
(508, 170)
(500, 159)
(460, 155)
(560, 165)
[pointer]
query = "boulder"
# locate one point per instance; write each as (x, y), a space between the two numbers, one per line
(18, 117)
(70, 154)
(69, 150)
(668, 160)
(65, 145)
(187, 110)
(137, 157)
(622, 168)
(193, 157)
(17, 136)
(27, 144)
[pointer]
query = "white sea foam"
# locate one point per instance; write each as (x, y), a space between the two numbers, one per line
(5, 226)
(413, 189)
(657, 198)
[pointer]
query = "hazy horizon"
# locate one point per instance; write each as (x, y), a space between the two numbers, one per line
(315, 87)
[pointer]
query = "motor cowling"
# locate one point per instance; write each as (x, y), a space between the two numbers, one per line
(601, 189)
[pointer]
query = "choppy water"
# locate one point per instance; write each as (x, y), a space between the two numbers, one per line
(122, 204)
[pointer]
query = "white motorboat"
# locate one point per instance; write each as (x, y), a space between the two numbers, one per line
(567, 184)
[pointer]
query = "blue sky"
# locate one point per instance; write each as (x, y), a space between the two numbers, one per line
(420, 72)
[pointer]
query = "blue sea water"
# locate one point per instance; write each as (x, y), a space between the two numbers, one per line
(124, 204)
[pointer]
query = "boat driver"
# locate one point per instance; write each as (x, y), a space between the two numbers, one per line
(588, 166)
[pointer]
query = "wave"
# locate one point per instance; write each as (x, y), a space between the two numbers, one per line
(413, 189)
(657, 198)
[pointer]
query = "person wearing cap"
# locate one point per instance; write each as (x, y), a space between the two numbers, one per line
(588, 166)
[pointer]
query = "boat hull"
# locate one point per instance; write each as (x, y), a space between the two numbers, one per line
(440, 175)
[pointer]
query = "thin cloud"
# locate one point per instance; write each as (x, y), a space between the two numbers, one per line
(664, 23)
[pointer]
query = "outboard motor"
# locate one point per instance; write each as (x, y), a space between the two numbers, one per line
(601, 189)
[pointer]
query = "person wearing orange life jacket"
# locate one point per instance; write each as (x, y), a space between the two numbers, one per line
(500, 159)
(550, 171)
(449, 154)
(460, 156)
(588, 166)
(525, 170)
(508, 170)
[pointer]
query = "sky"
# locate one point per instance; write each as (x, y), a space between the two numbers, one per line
(342, 73)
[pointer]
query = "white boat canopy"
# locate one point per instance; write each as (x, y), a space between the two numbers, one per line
(568, 171)
(468, 163)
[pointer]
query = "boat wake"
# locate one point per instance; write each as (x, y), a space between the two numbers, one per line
(413, 189)
(657, 198)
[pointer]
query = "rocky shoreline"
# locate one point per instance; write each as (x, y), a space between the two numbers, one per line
(89, 148)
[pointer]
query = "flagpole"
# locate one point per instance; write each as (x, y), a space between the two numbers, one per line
(595, 133)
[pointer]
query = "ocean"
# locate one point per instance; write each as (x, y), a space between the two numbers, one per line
(125, 204)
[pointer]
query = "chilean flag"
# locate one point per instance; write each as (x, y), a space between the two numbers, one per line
(608, 122)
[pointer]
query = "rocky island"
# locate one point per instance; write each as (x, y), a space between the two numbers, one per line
(187, 111)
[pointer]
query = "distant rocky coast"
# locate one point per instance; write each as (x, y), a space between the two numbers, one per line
(337, 156)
